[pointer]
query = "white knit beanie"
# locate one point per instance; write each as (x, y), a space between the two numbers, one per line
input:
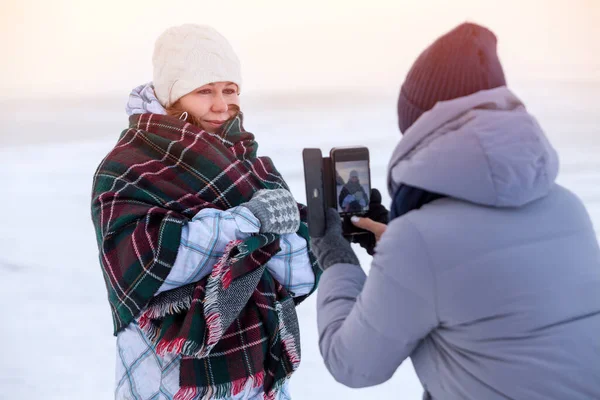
(189, 56)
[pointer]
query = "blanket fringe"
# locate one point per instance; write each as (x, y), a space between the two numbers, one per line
(186, 393)
(288, 340)
(227, 278)
(150, 330)
(213, 317)
(192, 348)
(276, 388)
(162, 310)
(170, 346)
(215, 328)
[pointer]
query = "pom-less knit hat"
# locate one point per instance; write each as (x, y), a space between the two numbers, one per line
(189, 56)
(459, 63)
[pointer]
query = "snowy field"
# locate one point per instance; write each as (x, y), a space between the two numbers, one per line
(56, 329)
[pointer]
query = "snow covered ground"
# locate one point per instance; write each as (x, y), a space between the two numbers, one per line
(56, 330)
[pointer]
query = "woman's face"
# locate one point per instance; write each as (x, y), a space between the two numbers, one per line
(210, 104)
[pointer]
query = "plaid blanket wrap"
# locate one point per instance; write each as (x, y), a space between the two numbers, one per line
(236, 327)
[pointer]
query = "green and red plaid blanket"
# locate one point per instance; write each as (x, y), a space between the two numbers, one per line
(236, 325)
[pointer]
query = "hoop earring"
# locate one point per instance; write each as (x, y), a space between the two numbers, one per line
(184, 116)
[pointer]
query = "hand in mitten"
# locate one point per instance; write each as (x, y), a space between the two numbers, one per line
(276, 210)
(375, 222)
(332, 248)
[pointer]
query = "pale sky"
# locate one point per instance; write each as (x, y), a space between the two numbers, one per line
(67, 48)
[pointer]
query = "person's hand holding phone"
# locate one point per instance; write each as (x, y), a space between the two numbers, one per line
(376, 228)
(375, 222)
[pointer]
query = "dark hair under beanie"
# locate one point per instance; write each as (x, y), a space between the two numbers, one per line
(459, 63)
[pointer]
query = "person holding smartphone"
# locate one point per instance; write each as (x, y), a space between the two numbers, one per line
(488, 275)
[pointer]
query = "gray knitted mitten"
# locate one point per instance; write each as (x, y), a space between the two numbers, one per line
(332, 248)
(276, 210)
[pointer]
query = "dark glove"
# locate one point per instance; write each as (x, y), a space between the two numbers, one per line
(276, 210)
(332, 248)
(378, 213)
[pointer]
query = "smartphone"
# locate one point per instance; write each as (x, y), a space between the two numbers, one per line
(351, 180)
(341, 181)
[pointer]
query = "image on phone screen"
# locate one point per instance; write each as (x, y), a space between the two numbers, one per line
(353, 186)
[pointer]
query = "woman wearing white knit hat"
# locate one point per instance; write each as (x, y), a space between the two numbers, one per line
(202, 246)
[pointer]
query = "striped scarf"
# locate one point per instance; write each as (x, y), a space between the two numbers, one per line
(238, 325)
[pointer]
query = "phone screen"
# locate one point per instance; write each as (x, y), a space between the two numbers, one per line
(353, 186)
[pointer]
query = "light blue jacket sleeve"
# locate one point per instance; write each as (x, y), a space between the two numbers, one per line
(369, 326)
(205, 237)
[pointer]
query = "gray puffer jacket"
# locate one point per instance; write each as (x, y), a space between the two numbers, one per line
(494, 291)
